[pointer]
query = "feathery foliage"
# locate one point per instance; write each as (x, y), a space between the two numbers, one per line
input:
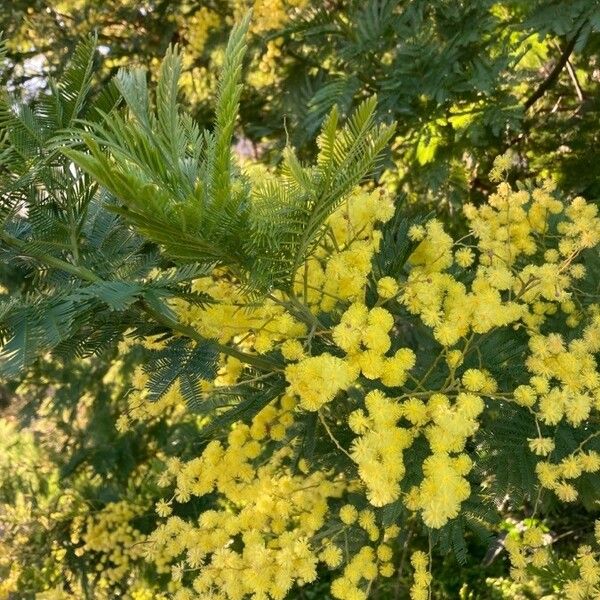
(181, 189)
(247, 378)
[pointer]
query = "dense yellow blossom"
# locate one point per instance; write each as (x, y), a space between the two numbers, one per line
(317, 379)
(273, 511)
(378, 451)
(111, 534)
(402, 423)
(231, 314)
(359, 347)
(442, 490)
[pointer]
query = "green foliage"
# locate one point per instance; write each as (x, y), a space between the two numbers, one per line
(183, 363)
(189, 200)
(99, 271)
(114, 199)
(464, 81)
(460, 81)
(290, 211)
(174, 180)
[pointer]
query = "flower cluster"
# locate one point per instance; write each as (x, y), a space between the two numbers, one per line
(259, 541)
(110, 534)
(587, 583)
(531, 546)
(386, 390)
(521, 275)
(317, 379)
(378, 450)
(364, 335)
(422, 577)
(230, 315)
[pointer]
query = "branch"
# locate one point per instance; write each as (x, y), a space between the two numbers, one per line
(89, 276)
(575, 81)
(551, 79)
(190, 332)
(51, 261)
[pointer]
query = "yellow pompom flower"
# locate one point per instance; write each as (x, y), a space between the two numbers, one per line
(163, 509)
(123, 424)
(384, 553)
(566, 492)
(292, 350)
(454, 358)
(348, 514)
(541, 446)
(359, 422)
(387, 288)
(317, 379)
(464, 257)
(525, 395)
(331, 555)
(416, 233)
(474, 380)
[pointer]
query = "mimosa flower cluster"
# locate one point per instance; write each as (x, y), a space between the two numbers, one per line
(518, 270)
(370, 438)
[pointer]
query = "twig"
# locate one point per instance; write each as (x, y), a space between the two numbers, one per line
(405, 548)
(575, 81)
(331, 436)
(553, 76)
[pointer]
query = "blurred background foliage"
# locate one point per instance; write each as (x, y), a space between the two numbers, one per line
(465, 79)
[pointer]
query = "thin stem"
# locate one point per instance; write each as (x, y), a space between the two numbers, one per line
(430, 567)
(332, 437)
(431, 368)
(553, 76)
(405, 548)
(52, 261)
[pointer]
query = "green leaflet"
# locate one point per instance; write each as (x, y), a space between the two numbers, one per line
(181, 188)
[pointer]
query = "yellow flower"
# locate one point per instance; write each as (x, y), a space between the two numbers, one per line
(177, 572)
(454, 358)
(358, 421)
(384, 553)
(566, 492)
(123, 424)
(415, 411)
(541, 446)
(317, 379)
(331, 555)
(570, 467)
(525, 395)
(387, 287)
(464, 257)
(348, 514)
(416, 233)
(292, 350)
(474, 380)
(163, 509)
(380, 318)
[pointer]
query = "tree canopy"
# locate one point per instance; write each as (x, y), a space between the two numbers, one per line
(299, 300)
